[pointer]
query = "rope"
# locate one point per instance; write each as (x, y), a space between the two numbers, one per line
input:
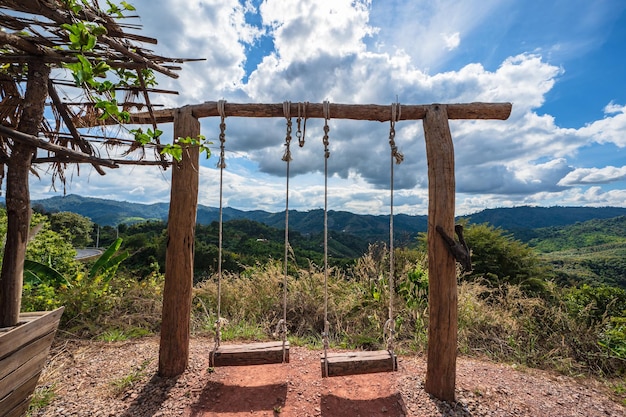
(325, 335)
(287, 158)
(302, 133)
(221, 165)
(397, 157)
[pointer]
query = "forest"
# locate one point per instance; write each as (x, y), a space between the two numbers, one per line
(557, 301)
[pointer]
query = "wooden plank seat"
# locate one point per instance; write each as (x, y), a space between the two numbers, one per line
(354, 363)
(261, 353)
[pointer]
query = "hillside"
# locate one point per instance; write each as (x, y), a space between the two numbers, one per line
(589, 252)
(521, 221)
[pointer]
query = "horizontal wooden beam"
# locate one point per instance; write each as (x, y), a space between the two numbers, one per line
(373, 112)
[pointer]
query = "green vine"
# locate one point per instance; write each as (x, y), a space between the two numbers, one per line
(91, 74)
(175, 150)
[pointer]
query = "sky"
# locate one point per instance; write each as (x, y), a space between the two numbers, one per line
(561, 63)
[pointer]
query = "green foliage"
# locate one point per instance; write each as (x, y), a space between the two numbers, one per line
(107, 264)
(36, 273)
(595, 303)
(49, 255)
(595, 232)
(120, 385)
(176, 149)
(74, 227)
(501, 260)
(42, 397)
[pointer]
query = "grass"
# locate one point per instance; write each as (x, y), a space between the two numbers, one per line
(504, 324)
(120, 385)
(42, 397)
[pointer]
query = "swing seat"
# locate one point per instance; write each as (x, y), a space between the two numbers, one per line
(262, 353)
(355, 363)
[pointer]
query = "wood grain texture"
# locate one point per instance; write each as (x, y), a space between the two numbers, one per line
(355, 363)
(262, 353)
(372, 112)
(175, 323)
(442, 294)
(23, 353)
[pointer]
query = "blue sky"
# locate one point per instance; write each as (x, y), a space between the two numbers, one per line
(561, 63)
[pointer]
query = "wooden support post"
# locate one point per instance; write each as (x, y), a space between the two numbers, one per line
(175, 326)
(442, 294)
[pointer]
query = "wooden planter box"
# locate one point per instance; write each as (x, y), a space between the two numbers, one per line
(23, 352)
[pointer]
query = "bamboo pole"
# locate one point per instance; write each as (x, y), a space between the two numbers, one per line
(176, 316)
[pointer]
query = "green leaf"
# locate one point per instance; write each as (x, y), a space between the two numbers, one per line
(128, 6)
(108, 259)
(36, 273)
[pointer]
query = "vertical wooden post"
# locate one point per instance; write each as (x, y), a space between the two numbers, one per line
(175, 322)
(442, 298)
(18, 195)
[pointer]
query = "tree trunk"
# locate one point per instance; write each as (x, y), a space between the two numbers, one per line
(175, 330)
(18, 195)
(442, 298)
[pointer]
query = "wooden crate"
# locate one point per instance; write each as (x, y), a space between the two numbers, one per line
(23, 352)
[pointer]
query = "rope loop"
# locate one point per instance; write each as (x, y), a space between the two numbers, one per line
(304, 118)
(287, 112)
(221, 163)
(326, 109)
(395, 116)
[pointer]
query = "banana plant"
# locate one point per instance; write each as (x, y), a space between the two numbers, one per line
(108, 262)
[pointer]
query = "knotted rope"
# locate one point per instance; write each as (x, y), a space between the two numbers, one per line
(221, 164)
(282, 324)
(397, 157)
(325, 335)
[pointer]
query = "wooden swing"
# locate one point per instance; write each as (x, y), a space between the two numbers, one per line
(360, 362)
(260, 353)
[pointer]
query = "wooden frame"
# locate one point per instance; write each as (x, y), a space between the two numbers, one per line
(356, 363)
(442, 331)
(261, 353)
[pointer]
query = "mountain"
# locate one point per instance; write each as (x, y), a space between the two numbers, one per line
(520, 221)
(111, 213)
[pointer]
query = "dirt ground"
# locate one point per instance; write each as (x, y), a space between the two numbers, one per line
(119, 379)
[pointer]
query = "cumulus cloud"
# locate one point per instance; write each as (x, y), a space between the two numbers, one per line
(349, 51)
(586, 176)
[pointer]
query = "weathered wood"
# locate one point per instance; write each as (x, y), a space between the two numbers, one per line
(34, 141)
(372, 112)
(23, 355)
(18, 195)
(442, 287)
(36, 325)
(23, 352)
(355, 363)
(23, 373)
(175, 330)
(16, 403)
(262, 353)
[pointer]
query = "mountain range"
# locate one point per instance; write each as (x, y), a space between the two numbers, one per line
(520, 221)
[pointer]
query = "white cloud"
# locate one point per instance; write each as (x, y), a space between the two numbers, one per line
(587, 176)
(611, 129)
(365, 52)
(452, 40)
